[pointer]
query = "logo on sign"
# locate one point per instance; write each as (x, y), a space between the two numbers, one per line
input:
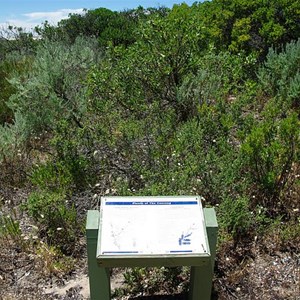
(185, 239)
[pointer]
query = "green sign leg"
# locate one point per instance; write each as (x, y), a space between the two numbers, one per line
(99, 278)
(201, 277)
(201, 282)
(212, 232)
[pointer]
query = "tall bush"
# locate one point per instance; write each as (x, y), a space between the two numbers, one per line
(270, 151)
(280, 75)
(54, 88)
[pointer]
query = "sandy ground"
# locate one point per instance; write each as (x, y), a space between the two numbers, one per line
(81, 283)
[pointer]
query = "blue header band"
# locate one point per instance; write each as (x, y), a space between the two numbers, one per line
(152, 203)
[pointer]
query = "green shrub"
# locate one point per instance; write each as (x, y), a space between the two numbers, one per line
(235, 216)
(290, 234)
(54, 88)
(52, 261)
(56, 218)
(51, 176)
(9, 227)
(50, 205)
(14, 163)
(269, 152)
(72, 151)
(152, 280)
(280, 75)
(6, 90)
(14, 64)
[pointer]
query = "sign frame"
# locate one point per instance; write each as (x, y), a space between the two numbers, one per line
(171, 259)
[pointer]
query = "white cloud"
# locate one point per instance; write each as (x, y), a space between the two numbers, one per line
(18, 23)
(52, 17)
(30, 20)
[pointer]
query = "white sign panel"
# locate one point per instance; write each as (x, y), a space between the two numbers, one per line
(133, 226)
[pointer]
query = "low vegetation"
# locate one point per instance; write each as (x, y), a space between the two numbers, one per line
(193, 100)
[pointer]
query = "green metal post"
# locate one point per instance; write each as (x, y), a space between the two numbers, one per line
(212, 232)
(201, 282)
(201, 277)
(99, 278)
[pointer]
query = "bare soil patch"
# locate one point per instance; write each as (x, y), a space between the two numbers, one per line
(247, 271)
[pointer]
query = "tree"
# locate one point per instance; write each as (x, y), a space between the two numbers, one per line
(147, 74)
(101, 23)
(250, 26)
(16, 40)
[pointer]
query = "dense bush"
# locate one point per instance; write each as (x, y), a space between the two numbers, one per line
(54, 87)
(235, 216)
(179, 105)
(280, 75)
(56, 218)
(270, 151)
(51, 207)
(249, 26)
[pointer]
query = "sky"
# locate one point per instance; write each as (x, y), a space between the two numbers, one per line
(29, 13)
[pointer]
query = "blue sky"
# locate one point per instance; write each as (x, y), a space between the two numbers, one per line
(29, 13)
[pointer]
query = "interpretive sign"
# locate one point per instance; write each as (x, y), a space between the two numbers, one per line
(157, 228)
